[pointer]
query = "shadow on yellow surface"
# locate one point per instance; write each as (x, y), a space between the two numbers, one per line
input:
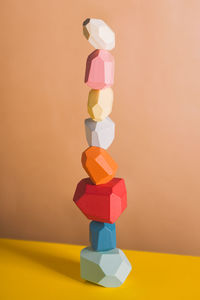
(66, 266)
(38, 270)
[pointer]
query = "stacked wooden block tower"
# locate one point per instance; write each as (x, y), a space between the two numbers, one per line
(101, 197)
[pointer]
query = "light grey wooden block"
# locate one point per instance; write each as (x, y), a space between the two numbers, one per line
(100, 134)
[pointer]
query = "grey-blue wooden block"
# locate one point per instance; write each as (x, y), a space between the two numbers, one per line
(106, 268)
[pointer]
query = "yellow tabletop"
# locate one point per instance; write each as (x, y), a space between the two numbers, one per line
(35, 270)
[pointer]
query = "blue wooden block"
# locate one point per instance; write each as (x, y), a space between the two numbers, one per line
(102, 236)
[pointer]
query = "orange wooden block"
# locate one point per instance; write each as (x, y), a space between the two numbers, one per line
(99, 165)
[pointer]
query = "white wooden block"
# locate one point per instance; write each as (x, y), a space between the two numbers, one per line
(99, 34)
(100, 134)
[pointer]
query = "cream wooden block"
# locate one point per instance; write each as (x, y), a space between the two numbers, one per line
(100, 103)
(99, 34)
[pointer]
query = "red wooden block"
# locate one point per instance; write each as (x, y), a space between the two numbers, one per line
(102, 203)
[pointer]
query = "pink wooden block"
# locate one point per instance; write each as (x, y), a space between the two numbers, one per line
(99, 69)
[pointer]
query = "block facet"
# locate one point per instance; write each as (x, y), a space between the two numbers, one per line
(99, 165)
(100, 134)
(99, 70)
(102, 236)
(106, 268)
(101, 203)
(99, 34)
(100, 103)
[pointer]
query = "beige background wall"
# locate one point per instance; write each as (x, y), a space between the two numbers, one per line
(156, 110)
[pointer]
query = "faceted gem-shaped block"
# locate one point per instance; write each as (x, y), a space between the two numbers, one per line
(100, 134)
(102, 236)
(99, 69)
(100, 103)
(99, 34)
(101, 203)
(99, 165)
(106, 268)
